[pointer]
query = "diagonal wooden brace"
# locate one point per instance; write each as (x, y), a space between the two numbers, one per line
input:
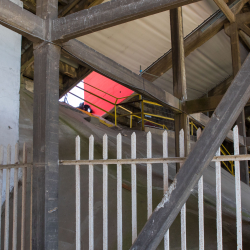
(215, 132)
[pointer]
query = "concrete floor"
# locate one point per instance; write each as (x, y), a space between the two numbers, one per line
(72, 123)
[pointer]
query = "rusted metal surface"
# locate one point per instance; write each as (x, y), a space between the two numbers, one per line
(238, 190)
(165, 181)
(149, 174)
(218, 203)
(105, 193)
(91, 194)
(119, 193)
(133, 187)
(78, 195)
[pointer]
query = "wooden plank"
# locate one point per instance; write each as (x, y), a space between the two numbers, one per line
(226, 10)
(114, 71)
(108, 15)
(21, 21)
(199, 158)
(191, 42)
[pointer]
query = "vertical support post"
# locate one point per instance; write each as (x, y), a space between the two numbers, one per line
(105, 193)
(45, 135)
(165, 181)
(119, 193)
(238, 190)
(91, 194)
(15, 200)
(179, 76)
(149, 174)
(45, 144)
(24, 185)
(133, 188)
(236, 63)
(78, 195)
(7, 201)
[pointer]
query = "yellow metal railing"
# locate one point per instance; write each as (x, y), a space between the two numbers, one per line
(142, 114)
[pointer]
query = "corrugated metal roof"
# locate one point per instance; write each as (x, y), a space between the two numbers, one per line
(141, 42)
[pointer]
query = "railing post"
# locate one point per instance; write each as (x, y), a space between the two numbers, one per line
(115, 113)
(142, 114)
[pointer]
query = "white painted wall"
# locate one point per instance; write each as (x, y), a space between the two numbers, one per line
(10, 59)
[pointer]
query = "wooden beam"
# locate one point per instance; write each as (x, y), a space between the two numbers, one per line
(107, 67)
(203, 120)
(45, 137)
(226, 10)
(107, 15)
(244, 28)
(179, 78)
(204, 104)
(221, 88)
(245, 38)
(204, 150)
(191, 42)
(21, 21)
(69, 83)
(236, 62)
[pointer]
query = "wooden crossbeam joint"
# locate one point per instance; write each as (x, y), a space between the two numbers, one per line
(226, 10)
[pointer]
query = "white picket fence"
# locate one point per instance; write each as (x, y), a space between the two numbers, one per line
(165, 160)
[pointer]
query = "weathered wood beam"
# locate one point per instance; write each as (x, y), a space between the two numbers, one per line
(204, 104)
(67, 8)
(245, 38)
(27, 59)
(204, 150)
(21, 21)
(107, 15)
(181, 120)
(236, 63)
(226, 10)
(69, 83)
(221, 88)
(45, 137)
(109, 68)
(193, 41)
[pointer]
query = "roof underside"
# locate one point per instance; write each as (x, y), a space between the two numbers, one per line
(141, 42)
